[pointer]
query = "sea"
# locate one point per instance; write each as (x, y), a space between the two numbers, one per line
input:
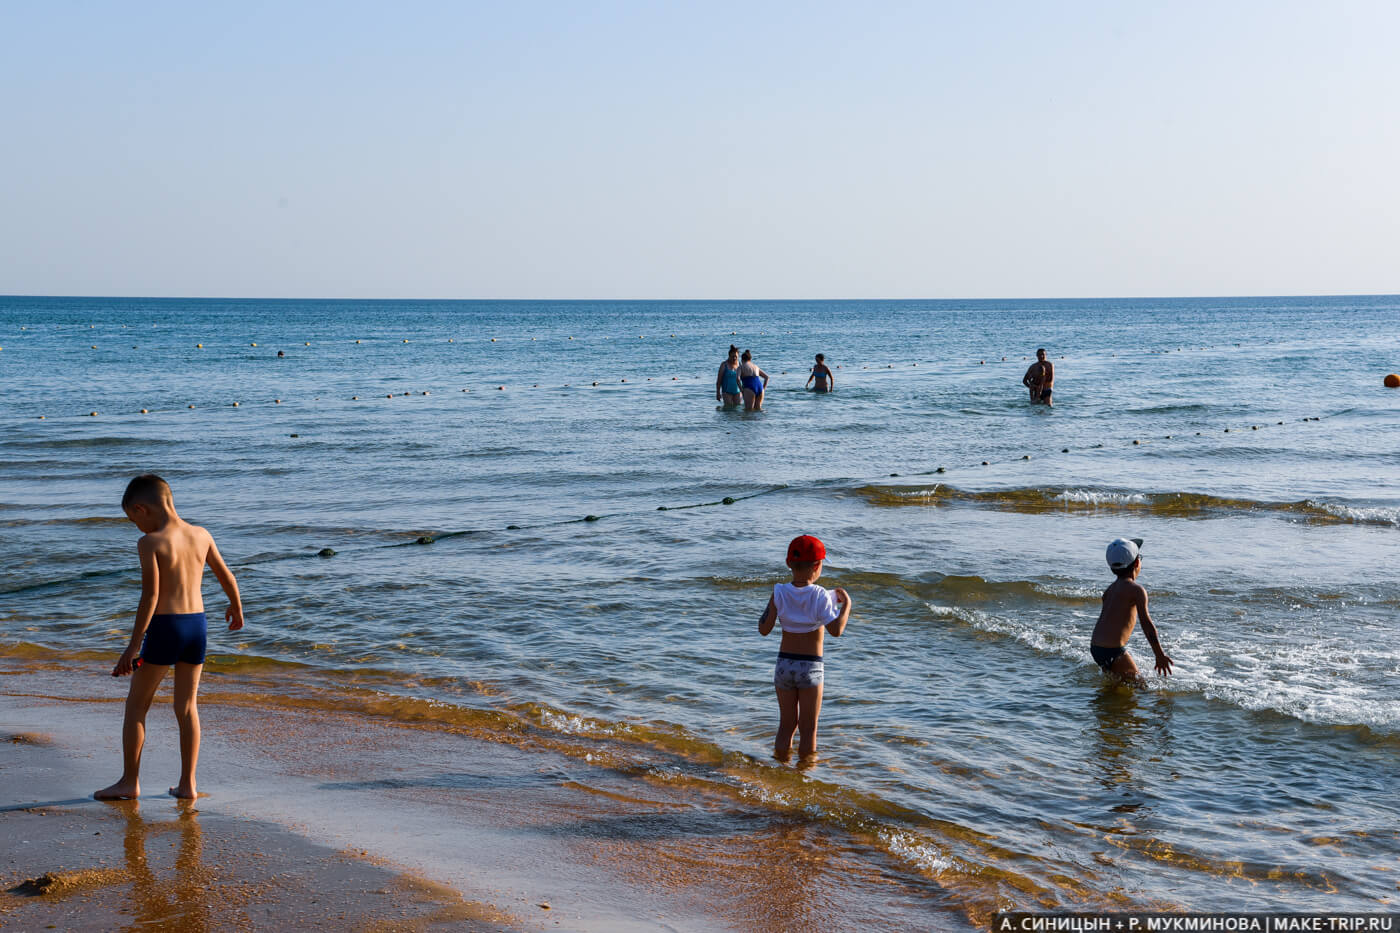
(533, 516)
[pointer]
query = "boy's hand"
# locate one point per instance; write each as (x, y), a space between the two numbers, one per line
(841, 595)
(234, 616)
(1164, 665)
(127, 662)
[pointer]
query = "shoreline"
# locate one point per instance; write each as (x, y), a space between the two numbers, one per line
(386, 823)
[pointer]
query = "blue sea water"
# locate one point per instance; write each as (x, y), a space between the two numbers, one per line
(452, 454)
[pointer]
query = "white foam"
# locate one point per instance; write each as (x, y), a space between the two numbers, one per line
(572, 725)
(1098, 497)
(1374, 515)
(911, 849)
(1331, 681)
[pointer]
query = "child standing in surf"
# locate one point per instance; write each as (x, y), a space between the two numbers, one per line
(170, 629)
(805, 611)
(1124, 603)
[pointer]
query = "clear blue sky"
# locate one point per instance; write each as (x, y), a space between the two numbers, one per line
(699, 150)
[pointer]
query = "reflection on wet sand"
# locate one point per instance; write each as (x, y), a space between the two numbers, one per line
(171, 895)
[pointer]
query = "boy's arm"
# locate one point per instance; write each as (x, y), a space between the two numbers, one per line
(234, 613)
(1026, 379)
(838, 625)
(150, 586)
(1164, 663)
(765, 621)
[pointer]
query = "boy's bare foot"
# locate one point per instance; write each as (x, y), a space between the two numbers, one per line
(122, 790)
(184, 792)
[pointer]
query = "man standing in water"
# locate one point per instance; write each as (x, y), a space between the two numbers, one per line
(1040, 378)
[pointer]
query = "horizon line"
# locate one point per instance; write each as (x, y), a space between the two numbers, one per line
(702, 300)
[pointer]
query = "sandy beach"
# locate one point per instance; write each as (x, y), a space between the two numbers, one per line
(314, 814)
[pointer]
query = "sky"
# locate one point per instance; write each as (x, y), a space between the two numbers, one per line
(699, 150)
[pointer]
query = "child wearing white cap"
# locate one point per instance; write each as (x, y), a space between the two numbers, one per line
(1124, 603)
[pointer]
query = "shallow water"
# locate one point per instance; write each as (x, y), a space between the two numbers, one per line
(966, 736)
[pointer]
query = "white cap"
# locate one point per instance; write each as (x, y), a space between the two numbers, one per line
(1122, 552)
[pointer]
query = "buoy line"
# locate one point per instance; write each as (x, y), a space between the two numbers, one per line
(870, 368)
(427, 539)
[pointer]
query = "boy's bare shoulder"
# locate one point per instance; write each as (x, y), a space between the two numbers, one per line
(200, 536)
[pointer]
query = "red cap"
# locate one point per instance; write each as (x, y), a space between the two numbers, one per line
(806, 549)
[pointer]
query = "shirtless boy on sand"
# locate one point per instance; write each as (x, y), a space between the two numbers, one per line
(1124, 603)
(806, 611)
(170, 619)
(1040, 379)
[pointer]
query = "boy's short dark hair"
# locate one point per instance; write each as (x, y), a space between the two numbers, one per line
(820, 357)
(1121, 572)
(147, 489)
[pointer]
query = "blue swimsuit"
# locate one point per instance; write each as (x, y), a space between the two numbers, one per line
(174, 637)
(729, 381)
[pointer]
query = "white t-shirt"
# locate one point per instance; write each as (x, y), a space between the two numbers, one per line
(803, 609)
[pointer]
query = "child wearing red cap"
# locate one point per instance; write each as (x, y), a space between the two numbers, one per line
(805, 612)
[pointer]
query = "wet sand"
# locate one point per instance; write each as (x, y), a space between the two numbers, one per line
(329, 816)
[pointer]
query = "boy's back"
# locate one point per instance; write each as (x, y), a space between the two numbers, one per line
(179, 551)
(1118, 616)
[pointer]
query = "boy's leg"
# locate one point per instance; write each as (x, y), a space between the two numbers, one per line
(809, 707)
(187, 714)
(1125, 669)
(787, 723)
(144, 681)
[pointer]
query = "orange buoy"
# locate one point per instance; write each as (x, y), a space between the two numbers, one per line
(1392, 381)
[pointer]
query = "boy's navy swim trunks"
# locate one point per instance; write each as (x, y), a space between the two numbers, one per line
(1105, 656)
(174, 637)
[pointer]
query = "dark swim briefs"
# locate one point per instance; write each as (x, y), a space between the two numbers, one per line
(1045, 395)
(1104, 657)
(175, 637)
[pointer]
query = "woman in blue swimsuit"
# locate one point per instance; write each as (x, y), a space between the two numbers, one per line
(727, 382)
(753, 382)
